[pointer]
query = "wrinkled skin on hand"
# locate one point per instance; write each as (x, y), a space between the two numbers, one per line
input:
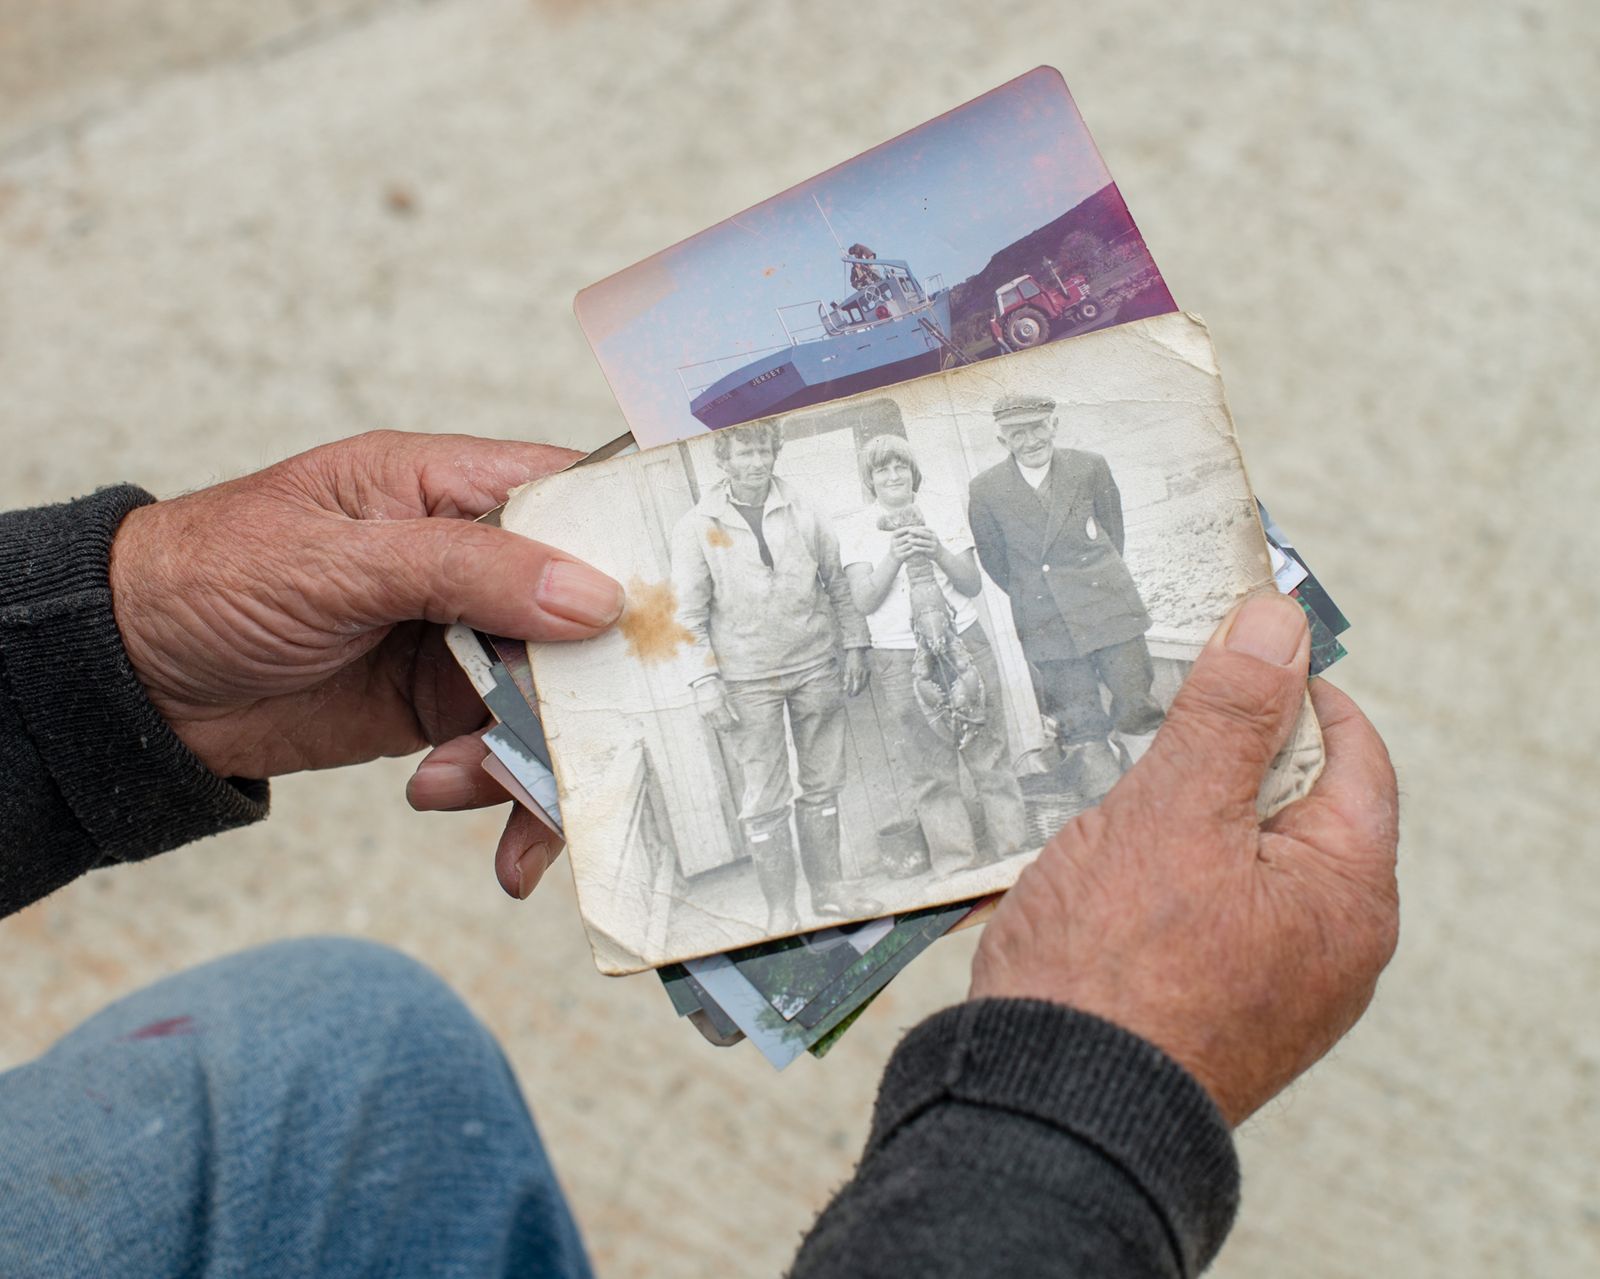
(282, 621)
(1243, 949)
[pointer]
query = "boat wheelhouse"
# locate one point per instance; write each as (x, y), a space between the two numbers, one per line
(888, 329)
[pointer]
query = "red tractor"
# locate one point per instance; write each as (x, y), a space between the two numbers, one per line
(1025, 310)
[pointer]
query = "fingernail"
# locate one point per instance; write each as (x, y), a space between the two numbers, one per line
(531, 867)
(1269, 627)
(440, 785)
(580, 594)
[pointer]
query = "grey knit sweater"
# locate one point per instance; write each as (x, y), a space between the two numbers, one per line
(1011, 1137)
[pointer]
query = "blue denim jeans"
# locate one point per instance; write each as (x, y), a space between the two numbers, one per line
(323, 1107)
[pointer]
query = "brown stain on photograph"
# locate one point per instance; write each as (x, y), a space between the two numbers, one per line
(650, 621)
(716, 535)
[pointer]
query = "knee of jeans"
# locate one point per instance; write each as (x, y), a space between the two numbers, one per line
(1141, 718)
(357, 997)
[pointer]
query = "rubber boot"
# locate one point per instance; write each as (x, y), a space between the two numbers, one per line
(984, 852)
(1096, 768)
(1132, 746)
(819, 854)
(772, 852)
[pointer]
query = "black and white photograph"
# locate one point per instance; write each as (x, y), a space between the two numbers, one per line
(876, 653)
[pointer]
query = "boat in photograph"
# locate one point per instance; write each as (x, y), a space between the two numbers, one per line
(890, 328)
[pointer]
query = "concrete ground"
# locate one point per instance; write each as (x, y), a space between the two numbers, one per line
(232, 230)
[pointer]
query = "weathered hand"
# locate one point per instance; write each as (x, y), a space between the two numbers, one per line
(451, 778)
(711, 700)
(279, 621)
(1243, 949)
(856, 673)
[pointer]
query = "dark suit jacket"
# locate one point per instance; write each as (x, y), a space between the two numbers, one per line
(1070, 591)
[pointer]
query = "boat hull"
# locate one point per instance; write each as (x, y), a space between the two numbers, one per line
(826, 369)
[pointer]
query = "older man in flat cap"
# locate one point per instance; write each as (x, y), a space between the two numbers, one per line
(1047, 523)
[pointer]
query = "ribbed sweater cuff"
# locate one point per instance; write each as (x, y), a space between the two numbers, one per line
(1086, 1077)
(131, 783)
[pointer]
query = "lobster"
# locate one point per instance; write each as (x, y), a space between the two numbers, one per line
(947, 683)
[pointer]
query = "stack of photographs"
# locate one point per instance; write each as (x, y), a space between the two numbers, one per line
(787, 306)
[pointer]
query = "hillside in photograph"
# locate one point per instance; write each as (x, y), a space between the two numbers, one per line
(1098, 239)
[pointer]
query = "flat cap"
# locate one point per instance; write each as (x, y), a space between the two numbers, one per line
(1018, 410)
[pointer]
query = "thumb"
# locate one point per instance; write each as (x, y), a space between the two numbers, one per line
(445, 570)
(1232, 715)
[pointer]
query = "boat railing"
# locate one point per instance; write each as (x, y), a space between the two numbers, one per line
(798, 333)
(694, 377)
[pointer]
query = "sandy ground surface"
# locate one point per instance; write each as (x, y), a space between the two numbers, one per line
(229, 231)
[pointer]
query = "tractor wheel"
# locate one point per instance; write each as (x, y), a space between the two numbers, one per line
(1088, 310)
(1027, 326)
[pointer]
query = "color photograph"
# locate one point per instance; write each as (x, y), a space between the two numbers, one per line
(994, 228)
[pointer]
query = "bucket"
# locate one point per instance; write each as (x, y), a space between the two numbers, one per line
(1050, 801)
